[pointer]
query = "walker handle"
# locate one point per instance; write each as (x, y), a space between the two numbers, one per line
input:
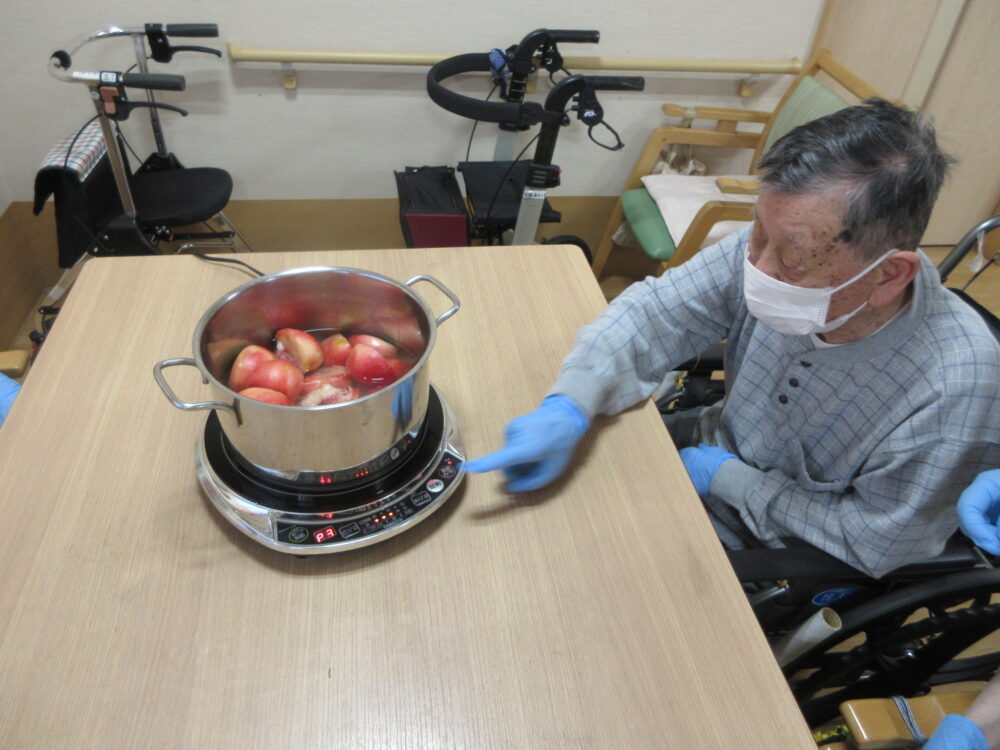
(616, 83)
(192, 29)
(156, 81)
(574, 37)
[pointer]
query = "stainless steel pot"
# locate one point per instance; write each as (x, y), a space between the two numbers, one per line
(309, 445)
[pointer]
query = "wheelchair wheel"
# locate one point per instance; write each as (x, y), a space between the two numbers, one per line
(903, 643)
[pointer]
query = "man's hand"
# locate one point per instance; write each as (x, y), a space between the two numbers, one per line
(701, 463)
(979, 511)
(955, 732)
(538, 445)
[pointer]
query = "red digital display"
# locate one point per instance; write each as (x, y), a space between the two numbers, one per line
(322, 535)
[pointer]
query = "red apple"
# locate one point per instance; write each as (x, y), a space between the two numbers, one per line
(335, 349)
(266, 395)
(302, 347)
(399, 368)
(246, 363)
(368, 366)
(380, 345)
(279, 376)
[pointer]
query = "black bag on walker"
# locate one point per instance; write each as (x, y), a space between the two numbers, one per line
(432, 210)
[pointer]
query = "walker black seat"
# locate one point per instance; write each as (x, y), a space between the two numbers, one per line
(494, 210)
(179, 197)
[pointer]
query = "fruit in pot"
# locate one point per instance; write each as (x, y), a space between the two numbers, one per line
(368, 366)
(336, 349)
(380, 345)
(303, 349)
(399, 368)
(279, 376)
(267, 395)
(325, 394)
(246, 363)
(336, 376)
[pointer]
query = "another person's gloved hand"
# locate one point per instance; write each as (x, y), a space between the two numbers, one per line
(537, 446)
(979, 511)
(701, 463)
(8, 392)
(955, 732)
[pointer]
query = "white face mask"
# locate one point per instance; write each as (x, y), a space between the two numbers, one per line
(791, 309)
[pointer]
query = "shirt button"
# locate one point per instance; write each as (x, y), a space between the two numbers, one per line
(783, 398)
(794, 382)
(806, 364)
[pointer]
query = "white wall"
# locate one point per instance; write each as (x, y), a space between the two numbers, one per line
(345, 129)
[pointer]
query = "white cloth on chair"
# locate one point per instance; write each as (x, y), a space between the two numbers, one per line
(680, 197)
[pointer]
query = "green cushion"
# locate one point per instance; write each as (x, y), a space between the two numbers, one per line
(647, 224)
(810, 101)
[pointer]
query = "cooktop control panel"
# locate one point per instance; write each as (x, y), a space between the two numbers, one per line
(317, 530)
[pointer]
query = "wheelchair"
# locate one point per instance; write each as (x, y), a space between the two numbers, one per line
(915, 628)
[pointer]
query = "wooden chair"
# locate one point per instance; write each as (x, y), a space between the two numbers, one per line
(877, 724)
(14, 362)
(697, 204)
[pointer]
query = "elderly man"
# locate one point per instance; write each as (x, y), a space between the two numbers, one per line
(861, 395)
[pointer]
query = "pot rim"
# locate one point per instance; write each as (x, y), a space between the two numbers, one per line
(233, 293)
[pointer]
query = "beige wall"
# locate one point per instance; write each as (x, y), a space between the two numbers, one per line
(882, 42)
(346, 128)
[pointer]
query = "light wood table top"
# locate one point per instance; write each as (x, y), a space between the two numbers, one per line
(600, 612)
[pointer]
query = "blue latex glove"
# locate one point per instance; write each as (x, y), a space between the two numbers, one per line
(8, 392)
(701, 463)
(979, 511)
(955, 732)
(402, 404)
(537, 446)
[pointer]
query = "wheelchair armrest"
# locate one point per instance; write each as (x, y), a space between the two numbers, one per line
(707, 362)
(765, 564)
(800, 560)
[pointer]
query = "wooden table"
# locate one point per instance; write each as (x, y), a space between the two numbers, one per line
(598, 613)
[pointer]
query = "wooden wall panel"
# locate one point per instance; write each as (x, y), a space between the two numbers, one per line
(29, 262)
(965, 105)
(859, 33)
(881, 41)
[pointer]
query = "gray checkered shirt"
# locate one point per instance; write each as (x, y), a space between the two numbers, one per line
(860, 449)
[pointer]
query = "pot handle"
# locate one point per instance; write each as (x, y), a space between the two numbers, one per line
(444, 290)
(158, 369)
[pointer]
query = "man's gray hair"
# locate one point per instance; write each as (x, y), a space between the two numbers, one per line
(885, 157)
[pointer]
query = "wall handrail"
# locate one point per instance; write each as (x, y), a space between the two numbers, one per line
(238, 53)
